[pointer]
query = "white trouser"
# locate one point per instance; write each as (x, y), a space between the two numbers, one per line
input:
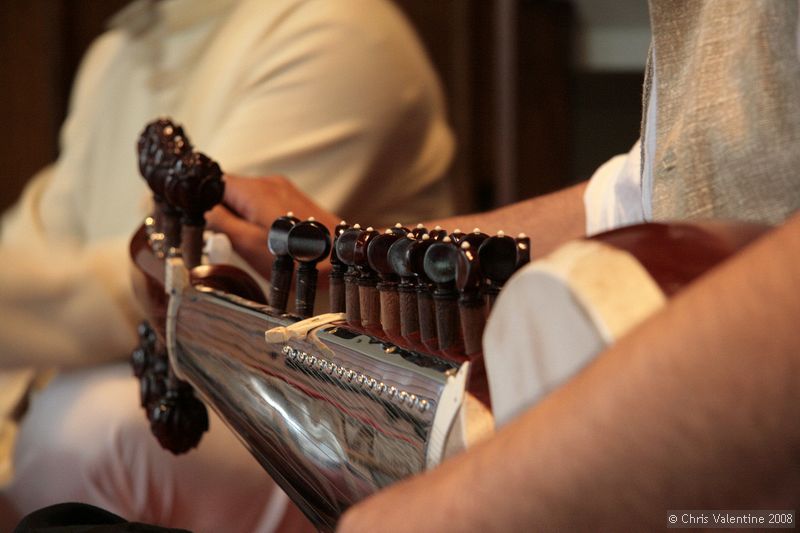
(86, 439)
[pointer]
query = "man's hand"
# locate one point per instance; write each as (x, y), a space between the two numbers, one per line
(249, 207)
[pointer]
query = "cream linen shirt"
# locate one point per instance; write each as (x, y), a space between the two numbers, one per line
(336, 94)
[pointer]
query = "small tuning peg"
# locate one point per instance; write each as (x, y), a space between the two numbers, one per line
(523, 250)
(425, 305)
(368, 297)
(470, 303)
(438, 233)
(309, 242)
(338, 269)
(282, 266)
(346, 251)
(418, 231)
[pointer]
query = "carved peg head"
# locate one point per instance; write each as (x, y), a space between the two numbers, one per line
(523, 250)
(418, 231)
(159, 146)
(309, 242)
(417, 257)
(194, 185)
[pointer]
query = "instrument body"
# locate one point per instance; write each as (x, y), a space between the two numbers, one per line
(331, 413)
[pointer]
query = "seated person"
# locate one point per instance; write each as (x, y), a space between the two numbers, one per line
(338, 95)
(689, 410)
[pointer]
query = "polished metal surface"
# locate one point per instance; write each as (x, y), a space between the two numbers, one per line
(333, 414)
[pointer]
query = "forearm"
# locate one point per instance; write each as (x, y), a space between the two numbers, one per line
(549, 220)
(694, 409)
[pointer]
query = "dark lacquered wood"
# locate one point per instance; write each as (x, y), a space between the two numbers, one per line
(400, 260)
(345, 249)
(498, 260)
(159, 147)
(676, 254)
(309, 243)
(440, 265)
(193, 186)
(338, 269)
(388, 280)
(282, 265)
(369, 299)
(470, 303)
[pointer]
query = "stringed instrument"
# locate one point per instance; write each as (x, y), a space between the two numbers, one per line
(336, 406)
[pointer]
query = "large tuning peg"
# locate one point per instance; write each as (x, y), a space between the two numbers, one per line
(440, 263)
(193, 186)
(282, 265)
(159, 146)
(338, 270)
(498, 260)
(309, 243)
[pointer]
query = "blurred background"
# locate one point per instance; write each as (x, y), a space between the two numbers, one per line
(540, 92)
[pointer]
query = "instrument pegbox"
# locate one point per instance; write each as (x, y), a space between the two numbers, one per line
(282, 265)
(425, 305)
(346, 250)
(399, 258)
(338, 270)
(470, 301)
(440, 263)
(378, 257)
(194, 185)
(368, 297)
(159, 146)
(309, 242)
(498, 260)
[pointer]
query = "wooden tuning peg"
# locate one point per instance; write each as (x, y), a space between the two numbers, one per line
(308, 243)
(159, 146)
(523, 250)
(282, 265)
(338, 270)
(418, 231)
(425, 305)
(378, 257)
(346, 250)
(368, 297)
(399, 257)
(470, 302)
(498, 260)
(193, 186)
(440, 264)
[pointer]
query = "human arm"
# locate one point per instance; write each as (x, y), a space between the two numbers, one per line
(692, 410)
(63, 303)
